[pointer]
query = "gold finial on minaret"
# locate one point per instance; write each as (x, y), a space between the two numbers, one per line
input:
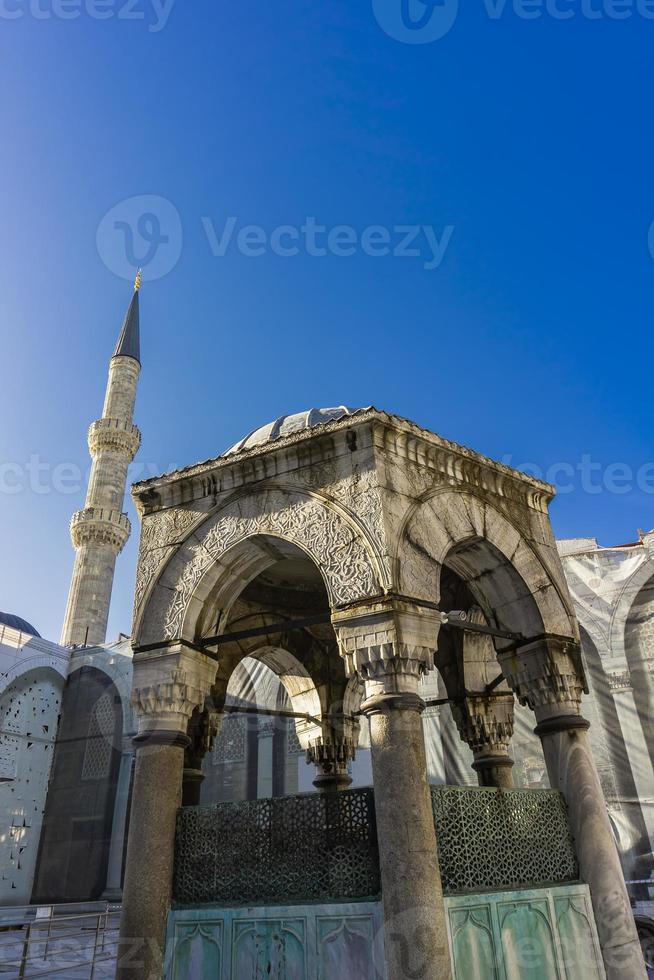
(137, 281)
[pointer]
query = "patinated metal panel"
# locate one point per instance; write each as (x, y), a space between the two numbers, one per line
(296, 848)
(492, 838)
(323, 847)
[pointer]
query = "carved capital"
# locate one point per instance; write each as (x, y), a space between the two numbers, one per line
(485, 723)
(331, 755)
(620, 681)
(546, 676)
(203, 730)
(169, 683)
(389, 644)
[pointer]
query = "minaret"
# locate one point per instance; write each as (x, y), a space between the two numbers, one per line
(99, 532)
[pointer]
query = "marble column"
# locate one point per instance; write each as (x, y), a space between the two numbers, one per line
(169, 683)
(265, 738)
(485, 723)
(390, 645)
(548, 677)
(431, 725)
(114, 887)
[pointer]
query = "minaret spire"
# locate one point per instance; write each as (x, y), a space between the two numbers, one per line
(100, 530)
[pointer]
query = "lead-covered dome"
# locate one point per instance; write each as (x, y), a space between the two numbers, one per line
(17, 623)
(288, 425)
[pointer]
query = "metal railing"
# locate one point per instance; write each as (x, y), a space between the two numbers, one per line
(48, 941)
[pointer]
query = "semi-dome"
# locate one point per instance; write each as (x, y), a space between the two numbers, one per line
(17, 623)
(287, 425)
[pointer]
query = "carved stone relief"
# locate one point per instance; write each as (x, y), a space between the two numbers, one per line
(322, 532)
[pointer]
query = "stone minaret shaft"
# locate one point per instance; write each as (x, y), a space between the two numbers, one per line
(100, 530)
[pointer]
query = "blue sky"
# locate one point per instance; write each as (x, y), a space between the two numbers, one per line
(524, 146)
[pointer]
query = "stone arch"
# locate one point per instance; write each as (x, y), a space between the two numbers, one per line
(622, 608)
(227, 549)
(81, 794)
(299, 686)
(33, 663)
(49, 684)
(638, 632)
(120, 675)
(523, 589)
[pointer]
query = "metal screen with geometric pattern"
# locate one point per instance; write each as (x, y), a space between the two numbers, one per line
(311, 847)
(99, 740)
(323, 847)
(492, 838)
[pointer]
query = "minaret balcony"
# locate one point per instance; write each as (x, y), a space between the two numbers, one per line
(98, 525)
(114, 435)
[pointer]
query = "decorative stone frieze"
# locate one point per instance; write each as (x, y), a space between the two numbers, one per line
(169, 683)
(348, 561)
(389, 433)
(160, 532)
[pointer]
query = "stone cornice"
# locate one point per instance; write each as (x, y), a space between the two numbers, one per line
(379, 430)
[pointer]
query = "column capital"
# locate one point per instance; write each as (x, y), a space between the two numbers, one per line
(330, 755)
(547, 676)
(388, 643)
(169, 683)
(203, 729)
(485, 723)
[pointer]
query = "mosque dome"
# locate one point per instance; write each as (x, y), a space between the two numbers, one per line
(287, 425)
(16, 623)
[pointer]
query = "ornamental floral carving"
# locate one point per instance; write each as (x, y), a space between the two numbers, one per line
(158, 533)
(323, 533)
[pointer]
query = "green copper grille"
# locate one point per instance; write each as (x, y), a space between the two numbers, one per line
(492, 838)
(311, 847)
(323, 847)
